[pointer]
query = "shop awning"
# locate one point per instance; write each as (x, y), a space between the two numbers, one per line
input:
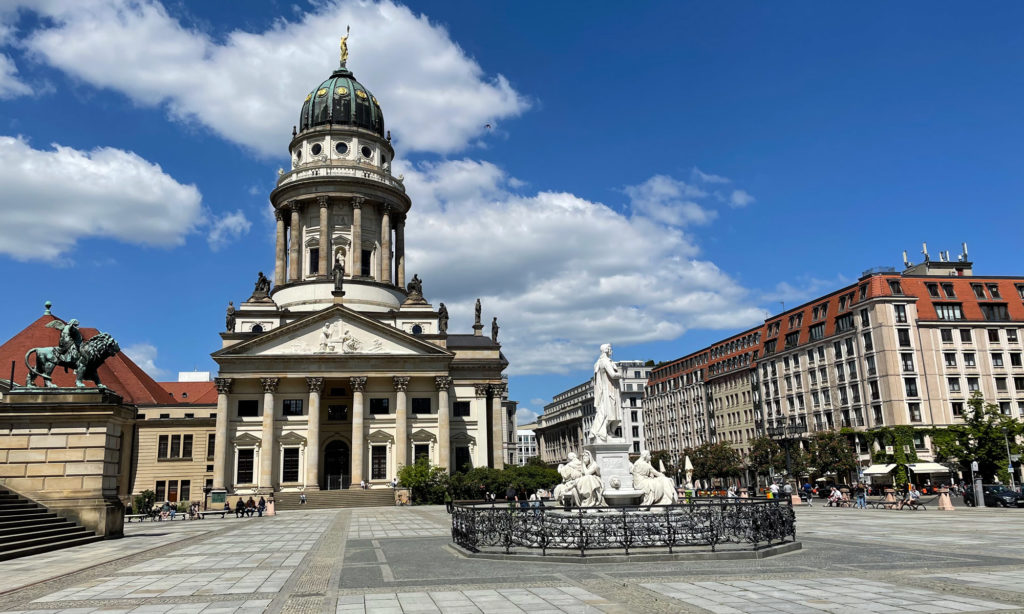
(927, 468)
(879, 469)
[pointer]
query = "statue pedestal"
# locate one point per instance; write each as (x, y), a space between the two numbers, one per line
(612, 457)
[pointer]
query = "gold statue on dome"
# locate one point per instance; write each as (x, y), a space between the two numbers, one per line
(344, 46)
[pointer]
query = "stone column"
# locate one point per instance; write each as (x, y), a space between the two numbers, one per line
(400, 251)
(483, 423)
(385, 244)
(497, 427)
(295, 253)
(326, 261)
(266, 479)
(280, 255)
(220, 441)
(443, 422)
(358, 442)
(315, 385)
(357, 235)
(401, 422)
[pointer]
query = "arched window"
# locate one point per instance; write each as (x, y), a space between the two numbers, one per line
(256, 328)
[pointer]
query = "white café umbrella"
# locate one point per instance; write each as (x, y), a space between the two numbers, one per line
(661, 466)
(688, 467)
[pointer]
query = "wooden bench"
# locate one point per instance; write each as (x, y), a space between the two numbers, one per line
(140, 517)
(221, 513)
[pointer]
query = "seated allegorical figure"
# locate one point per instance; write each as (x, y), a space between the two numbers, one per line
(658, 489)
(581, 481)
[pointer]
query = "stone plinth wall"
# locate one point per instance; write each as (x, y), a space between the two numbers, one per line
(69, 450)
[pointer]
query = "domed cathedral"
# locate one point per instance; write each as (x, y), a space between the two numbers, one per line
(341, 371)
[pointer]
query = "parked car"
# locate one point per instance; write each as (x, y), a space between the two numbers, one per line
(996, 495)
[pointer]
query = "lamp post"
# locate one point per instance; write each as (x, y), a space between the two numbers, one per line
(785, 434)
(1009, 459)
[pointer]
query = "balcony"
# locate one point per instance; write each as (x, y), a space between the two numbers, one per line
(355, 172)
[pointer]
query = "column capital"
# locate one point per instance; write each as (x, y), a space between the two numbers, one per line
(322, 201)
(385, 209)
(358, 201)
(223, 384)
(481, 390)
(443, 382)
(497, 389)
(315, 384)
(357, 383)
(295, 206)
(269, 383)
(278, 215)
(401, 382)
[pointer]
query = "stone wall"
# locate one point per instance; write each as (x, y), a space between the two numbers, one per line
(69, 450)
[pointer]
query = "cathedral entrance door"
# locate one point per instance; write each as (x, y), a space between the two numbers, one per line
(336, 466)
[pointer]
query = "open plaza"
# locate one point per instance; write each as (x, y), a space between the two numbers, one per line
(400, 559)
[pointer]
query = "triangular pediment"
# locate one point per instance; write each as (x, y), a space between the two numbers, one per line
(380, 437)
(333, 332)
(292, 439)
(246, 439)
(463, 439)
(423, 436)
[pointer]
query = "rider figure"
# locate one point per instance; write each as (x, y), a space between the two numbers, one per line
(70, 343)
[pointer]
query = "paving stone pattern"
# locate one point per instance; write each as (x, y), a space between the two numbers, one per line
(399, 560)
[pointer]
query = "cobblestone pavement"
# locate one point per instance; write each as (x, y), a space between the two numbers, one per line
(395, 560)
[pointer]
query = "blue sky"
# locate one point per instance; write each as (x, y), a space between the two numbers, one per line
(657, 175)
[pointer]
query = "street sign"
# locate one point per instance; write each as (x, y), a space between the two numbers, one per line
(890, 450)
(974, 465)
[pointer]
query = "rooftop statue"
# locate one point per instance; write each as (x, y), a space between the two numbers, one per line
(415, 286)
(442, 319)
(339, 272)
(344, 46)
(84, 357)
(262, 288)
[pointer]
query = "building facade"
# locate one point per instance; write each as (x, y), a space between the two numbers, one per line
(563, 426)
(526, 443)
(891, 349)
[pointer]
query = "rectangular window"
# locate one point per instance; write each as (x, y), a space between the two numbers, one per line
(379, 406)
(160, 490)
(161, 447)
(993, 335)
(865, 321)
(901, 313)
(969, 359)
(868, 345)
(421, 405)
(995, 312)
(175, 446)
(792, 339)
(186, 446)
(1011, 335)
(954, 384)
(997, 359)
(211, 446)
(844, 323)
(840, 375)
(993, 290)
(290, 465)
(460, 409)
(979, 290)
(378, 463)
(933, 290)
(248, 408)
(462, 458)
(186, 490)
(1004, 408)
(972, 384)
(849, 347)
(958, 408)
(907, 360)
(948, 311)
(821, 352)
(950, 358)
(337, 413)
(895, 287)
(291, 407)
(364, 266)
(1018, 384)
(918, 441)
(814, 377)
(837, 349)
(876, 410)
(245, 461)
(420, 450)
(873, 385)
(915, 411)
(965, 335)
(903, 335)
(172, 491)
(1000, 384)
(947, 289)
(871, 365)
(314, 260)
(910, 383)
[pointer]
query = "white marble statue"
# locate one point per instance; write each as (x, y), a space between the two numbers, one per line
(581, 480)
(325, 336)
(658, 489)
(607, 403)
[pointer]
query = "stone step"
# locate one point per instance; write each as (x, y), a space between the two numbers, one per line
(21, 509)
(332, 499)
(43, 538)
(31, 521)
(70, 542)
(45, 530)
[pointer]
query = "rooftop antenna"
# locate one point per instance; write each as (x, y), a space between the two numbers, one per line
(965, 251)
(924, 250)
(906, 263)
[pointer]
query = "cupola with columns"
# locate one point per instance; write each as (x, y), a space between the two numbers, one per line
(340, 203)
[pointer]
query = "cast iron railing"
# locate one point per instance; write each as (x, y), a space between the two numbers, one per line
(745, 523)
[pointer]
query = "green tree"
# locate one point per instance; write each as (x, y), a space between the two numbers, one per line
(664, 457)
(980, 438)
(715, 460)
(765, 456)
(831, 452)
(427, 482)
(144, 501)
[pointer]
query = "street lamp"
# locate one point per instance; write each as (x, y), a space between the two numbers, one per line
(784, 434)
(1009, 459)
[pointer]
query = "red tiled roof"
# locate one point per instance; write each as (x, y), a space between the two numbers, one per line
(193, 393)
(118, 373)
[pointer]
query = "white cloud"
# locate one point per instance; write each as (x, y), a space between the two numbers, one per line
(52, 198)
(525, 416)
(227, 228)
(709, 178)
(144, 355)
(563, 274)
(249, 88)
(670, 201)
(740, 198)
(10, 84)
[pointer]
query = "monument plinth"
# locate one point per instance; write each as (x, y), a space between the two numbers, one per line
(612, 456)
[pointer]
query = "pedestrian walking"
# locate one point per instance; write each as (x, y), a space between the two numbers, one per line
(449, 505)
(808, 493)
(302, 498)
(862, 495)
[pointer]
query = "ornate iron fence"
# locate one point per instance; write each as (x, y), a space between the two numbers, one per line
(745, 523)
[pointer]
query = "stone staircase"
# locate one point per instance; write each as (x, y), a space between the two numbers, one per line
(28, 528)
(330, 499)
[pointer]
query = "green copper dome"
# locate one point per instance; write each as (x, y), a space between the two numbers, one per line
(341, 100)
